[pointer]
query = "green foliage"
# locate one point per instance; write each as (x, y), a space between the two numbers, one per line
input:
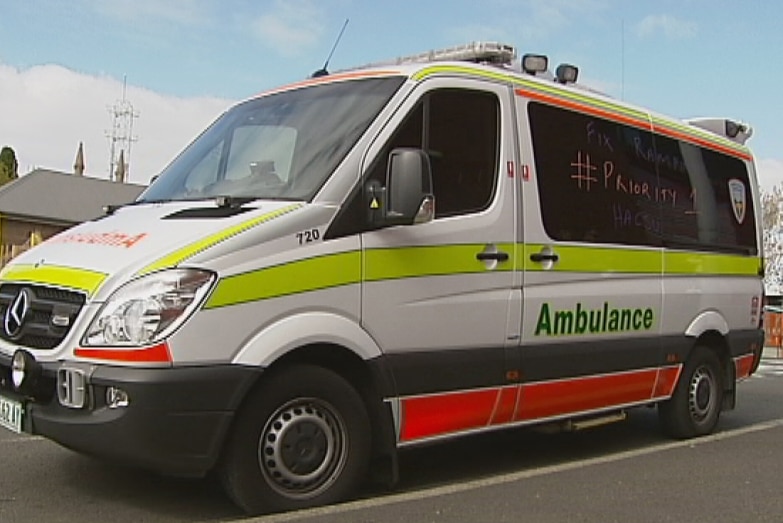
(5, 174)
(8, 160)
(9, 168)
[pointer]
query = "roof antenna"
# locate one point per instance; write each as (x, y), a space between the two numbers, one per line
(323, 71)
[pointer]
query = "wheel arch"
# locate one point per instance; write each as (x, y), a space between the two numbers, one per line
(339, 348)
(291, 333)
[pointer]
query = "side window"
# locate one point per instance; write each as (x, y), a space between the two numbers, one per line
(595, 185)
(459, 129)
(461, 136)
(714, 211)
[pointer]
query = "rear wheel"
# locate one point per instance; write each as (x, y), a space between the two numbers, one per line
(695, 407)
(301, 440)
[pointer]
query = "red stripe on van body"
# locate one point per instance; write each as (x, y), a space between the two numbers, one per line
(442, 414)
(633, 121)
(667, 381)
(428, 416)
(550, 399)
(743, 365)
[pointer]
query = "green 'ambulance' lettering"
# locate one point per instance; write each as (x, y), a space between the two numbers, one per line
(592, 321)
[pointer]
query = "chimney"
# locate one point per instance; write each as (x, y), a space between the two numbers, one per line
(119, 173)
(78, 165)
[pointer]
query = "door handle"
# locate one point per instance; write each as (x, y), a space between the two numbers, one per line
(541, 257)
(492, 256)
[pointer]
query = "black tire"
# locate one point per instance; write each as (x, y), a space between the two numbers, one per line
(694, 408)
(301, 439)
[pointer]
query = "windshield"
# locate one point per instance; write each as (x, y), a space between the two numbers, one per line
(281, 146)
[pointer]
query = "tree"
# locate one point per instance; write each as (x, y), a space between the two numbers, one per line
(9, 168)
(772, 224)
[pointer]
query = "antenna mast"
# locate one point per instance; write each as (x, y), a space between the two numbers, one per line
(121, 133)
(324, 71)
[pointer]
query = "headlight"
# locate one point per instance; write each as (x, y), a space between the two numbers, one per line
(147, 310)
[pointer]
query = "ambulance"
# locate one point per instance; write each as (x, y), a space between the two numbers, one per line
(391, 256)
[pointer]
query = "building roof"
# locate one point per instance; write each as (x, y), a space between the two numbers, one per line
(54, 197)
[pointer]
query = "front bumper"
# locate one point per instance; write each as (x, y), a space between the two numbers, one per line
(175, 422)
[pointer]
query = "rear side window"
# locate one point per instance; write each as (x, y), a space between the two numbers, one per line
(606, 182)
(718, 213)
(593, 186)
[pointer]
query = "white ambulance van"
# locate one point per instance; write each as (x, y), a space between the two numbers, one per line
(386, 257)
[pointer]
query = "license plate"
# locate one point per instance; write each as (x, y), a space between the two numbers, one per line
(11, 414)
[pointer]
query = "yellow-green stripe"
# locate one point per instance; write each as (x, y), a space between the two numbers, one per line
(175, 258)
(334, 270)
(65, 277)
(414, 262)
(585, 99)
(306, 275)
(596, 259)
(711, 264)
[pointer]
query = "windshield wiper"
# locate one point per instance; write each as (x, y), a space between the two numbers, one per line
(110, 209)
(233, 202)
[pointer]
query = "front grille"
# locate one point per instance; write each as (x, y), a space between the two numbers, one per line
(49, 315)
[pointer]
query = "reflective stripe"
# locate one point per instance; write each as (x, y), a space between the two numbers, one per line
(175, 258)
(306, 275)
(597, 259)
(604, 108)
(65, 277)
(710, 264)
(696, 135)
(744, 365)
(434, 415)
(159, 353)
(333, 270)
(436, 260)
(331, 78)
(642, 261)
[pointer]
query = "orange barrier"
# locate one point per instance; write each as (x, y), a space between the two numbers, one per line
(773, 329)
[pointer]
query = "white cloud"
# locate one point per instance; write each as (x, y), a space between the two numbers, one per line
(770, 172)
(543, 19)
(47, 110)
(291, 27)
(670, 26)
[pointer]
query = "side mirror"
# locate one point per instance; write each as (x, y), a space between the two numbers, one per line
(409, 198)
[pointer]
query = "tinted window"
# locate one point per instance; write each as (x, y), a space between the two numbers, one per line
(459, 130)
(602, 181)
(714, 210)
(593, 186)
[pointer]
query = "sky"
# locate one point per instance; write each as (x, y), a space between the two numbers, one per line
(180, 63)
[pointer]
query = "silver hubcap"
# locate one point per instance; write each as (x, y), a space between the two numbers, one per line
(302, 449)
(702, 395)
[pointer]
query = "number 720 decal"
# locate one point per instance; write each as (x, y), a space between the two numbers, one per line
(308, 236)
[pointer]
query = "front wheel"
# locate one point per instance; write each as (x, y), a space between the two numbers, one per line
(302, 439)
(694, 408)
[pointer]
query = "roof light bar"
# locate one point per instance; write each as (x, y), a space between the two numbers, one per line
(479, 52)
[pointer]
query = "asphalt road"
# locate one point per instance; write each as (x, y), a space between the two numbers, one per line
(621, 472)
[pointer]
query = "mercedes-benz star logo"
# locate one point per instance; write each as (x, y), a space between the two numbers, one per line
(16, 313)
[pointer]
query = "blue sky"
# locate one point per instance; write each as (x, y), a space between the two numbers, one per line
(62, 63)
